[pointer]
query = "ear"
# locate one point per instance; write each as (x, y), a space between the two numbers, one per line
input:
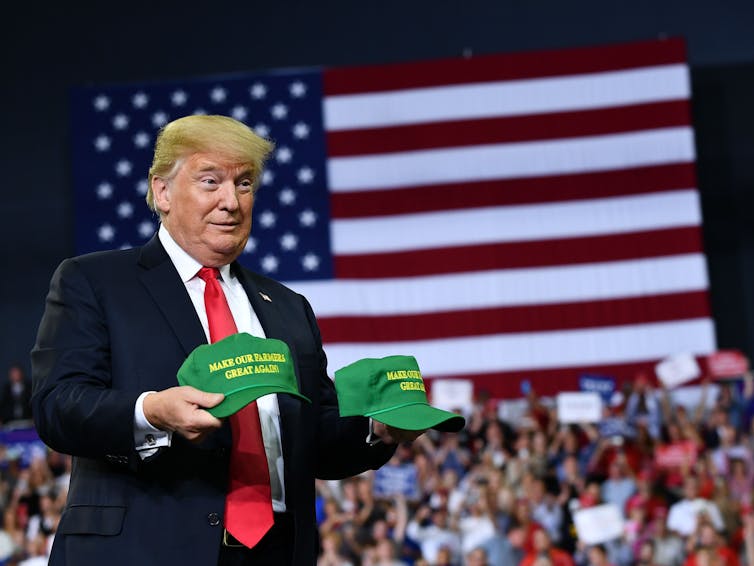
(161, 195)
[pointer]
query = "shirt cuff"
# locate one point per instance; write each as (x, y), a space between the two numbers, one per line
(147, 438)
(371, 439)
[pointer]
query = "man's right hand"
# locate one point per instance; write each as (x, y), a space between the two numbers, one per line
(181, 409)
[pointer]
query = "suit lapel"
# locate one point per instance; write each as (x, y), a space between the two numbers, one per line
(162, 281)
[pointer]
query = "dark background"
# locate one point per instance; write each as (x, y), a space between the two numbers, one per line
(48, 49)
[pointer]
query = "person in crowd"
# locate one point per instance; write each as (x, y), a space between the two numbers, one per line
(15, 396)
(542, 547)
(684, 515)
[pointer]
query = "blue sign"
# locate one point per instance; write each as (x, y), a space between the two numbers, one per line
(392, 480)
(605, 386)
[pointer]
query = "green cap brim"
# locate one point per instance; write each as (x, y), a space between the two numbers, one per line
(419, 416)
(241, 397)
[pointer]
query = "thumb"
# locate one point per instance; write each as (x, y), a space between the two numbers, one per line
(210, 400)
(203, 398)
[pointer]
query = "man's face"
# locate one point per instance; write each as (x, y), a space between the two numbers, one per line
(207, 206)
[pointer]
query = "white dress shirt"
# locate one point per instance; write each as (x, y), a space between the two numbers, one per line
(149, 439)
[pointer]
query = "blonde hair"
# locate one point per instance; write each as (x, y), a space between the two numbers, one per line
(186, 136)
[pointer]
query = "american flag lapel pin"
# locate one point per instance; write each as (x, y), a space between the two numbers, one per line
(265, 297)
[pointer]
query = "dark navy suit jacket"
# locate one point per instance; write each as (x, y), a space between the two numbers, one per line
(119, 323)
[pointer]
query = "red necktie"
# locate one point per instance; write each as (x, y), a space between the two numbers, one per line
(248, 505)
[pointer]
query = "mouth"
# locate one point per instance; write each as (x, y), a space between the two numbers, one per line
(225, 225)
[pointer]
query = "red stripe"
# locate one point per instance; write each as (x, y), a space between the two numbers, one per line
(526, 318)
(593, 249)
(486, 68)
(455, 196)
(508, 129)
(551, 381)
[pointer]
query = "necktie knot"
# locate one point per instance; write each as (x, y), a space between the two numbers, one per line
(208, 273)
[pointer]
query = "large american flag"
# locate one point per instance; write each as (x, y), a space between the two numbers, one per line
(500, 217)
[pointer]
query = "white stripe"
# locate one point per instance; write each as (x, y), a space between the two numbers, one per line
(511, 160)
(512, 287)
(507, 98)
(549, 221)
(571, 348)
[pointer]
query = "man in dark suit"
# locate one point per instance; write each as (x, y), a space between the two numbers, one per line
(150, 470)
(15, 397)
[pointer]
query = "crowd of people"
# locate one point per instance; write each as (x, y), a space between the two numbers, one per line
(505, 491)
(677, 479)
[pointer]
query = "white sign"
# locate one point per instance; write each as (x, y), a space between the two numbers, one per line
(595, 525)
(452, 394)
(579, 407)
(677, 369)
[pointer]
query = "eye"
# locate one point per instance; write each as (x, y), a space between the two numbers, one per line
(208, 182)
(245, 185)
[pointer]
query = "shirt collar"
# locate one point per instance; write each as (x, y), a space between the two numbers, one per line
(186, 265)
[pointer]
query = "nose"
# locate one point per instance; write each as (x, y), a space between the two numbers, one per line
(227, 196)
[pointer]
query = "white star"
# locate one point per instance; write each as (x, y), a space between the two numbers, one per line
(288, 241)
(279, 111)
(300, 131)
(102, 143)
(251, 245)
(120, 121)
(305, 175)
(106, 233)
(287, 196)
(125, 246)
(310, 262)
(141, 139)
(297, 89)
(283, 155)
(199, 112)
(123, 167)
(139, 100)
(258, 91)
(267, 219)
(101, 103)
(125, 209)
(270, 263)
(218, 94)
(146, 229)
(179, 98)
(159, 119)
(141, 187)
(104, 190)
(267, 177)
(262, 130)
(308, 218)
(239, 113)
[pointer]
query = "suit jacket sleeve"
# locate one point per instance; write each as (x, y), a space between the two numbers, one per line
(75, 408)
(342, 449)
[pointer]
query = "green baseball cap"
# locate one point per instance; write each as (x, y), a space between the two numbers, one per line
(243, 368)
(391, 390)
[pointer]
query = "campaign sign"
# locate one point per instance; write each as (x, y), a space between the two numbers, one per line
(452, 394)
(676, 455)
(595, 525)
(677, 369)
(579, 407)
(605, 386)
(391, 480)
(613, 427)
(727, 363)
(22, 443)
